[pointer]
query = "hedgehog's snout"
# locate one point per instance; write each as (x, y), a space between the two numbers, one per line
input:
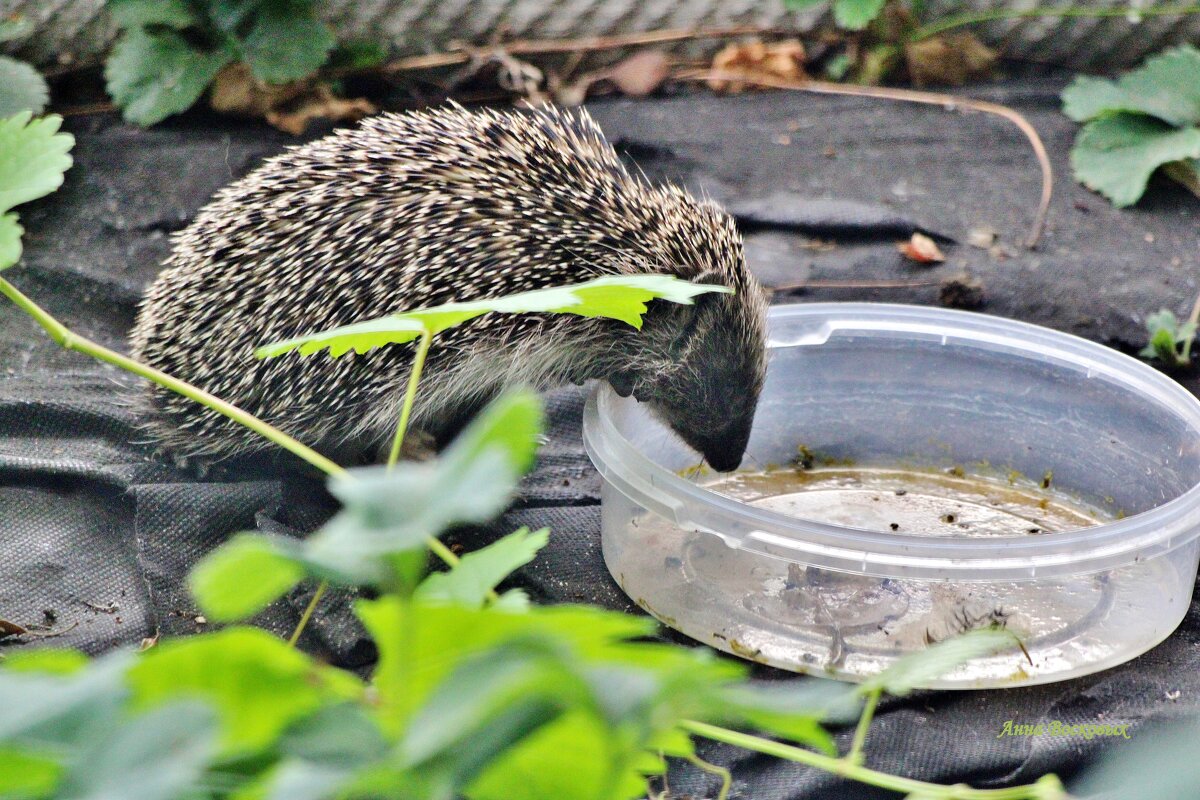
(724, 449)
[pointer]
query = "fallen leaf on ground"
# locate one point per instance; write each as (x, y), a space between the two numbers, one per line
(10, 629)
(922, 249)
(756, 59)
(289, 107)
(948, 60)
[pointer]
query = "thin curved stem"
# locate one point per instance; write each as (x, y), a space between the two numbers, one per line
(410, 396)
(1047, 788)
(308, 612)
(855, 756)
(712, 769)
(71, 341)
(960, 20)
(947, 101)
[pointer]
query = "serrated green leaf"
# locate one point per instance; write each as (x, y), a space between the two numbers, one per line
(242, 577)
(154, 75)
(916, 670)
(10, 240)
(1166, 86)
(616, 297)
(141, 13)
(153, 756)
(855, 15)
(27, 775)
(22, 88)
(258, 684)
(287, 42)
(1117, 154)
(33, 158)
(388, 511)
(478, 573)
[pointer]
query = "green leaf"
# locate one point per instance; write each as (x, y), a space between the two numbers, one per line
(10, 240)
(258, 684)
(855, 15)
(33, 158)
(1116, 155)
(616, 297)
(570, 757)
(1166, 86)
(916, 670)
(154, 75)
(242, 577)
(484, 688)
(153, 756)
(287, 42)
(358, 54)
(22, 88)
(321, 754)
(793, 712)
(26, 775)
(48, 661)
(1159, 762)
(478, 573)
(53, 707)
(141, 13)
(420, 644)
(390, 511)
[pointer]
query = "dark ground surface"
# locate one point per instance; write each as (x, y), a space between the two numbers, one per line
(100, 534)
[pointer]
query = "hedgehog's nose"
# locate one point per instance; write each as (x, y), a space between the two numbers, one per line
(724, 451)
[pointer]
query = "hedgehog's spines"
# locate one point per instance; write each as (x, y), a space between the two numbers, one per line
(417, 209)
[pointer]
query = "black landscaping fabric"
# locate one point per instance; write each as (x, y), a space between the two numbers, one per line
(97, 535)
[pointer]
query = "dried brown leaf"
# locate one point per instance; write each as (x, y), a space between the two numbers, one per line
(755, 59)
(10, 629)
(289, 107)
(949, 60)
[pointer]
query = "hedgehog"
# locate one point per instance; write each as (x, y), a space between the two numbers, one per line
(410, 210)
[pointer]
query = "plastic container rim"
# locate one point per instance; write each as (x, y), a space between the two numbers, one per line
(1149, 533)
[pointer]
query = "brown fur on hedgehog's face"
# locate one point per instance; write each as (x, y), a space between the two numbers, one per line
(707, 378)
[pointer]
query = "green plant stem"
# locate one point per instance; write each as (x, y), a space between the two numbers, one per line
(1047, 788)
(855, 756)
(960, 20)
(308, 612)
(1194, 319)
(72, 341)
(69, 340)
(721, 772)
(410, 396)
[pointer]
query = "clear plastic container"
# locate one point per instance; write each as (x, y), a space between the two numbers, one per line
(1094, 455)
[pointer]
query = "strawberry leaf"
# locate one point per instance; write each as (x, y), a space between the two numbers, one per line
(1166, 86)
(621, 297)
(1115, 155)
(33, 158)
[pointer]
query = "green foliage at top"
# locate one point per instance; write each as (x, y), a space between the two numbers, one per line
(621, 297)
(1170, 340)
(1146, 120)
(849, 14)
(33, 158)
(170, 51)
